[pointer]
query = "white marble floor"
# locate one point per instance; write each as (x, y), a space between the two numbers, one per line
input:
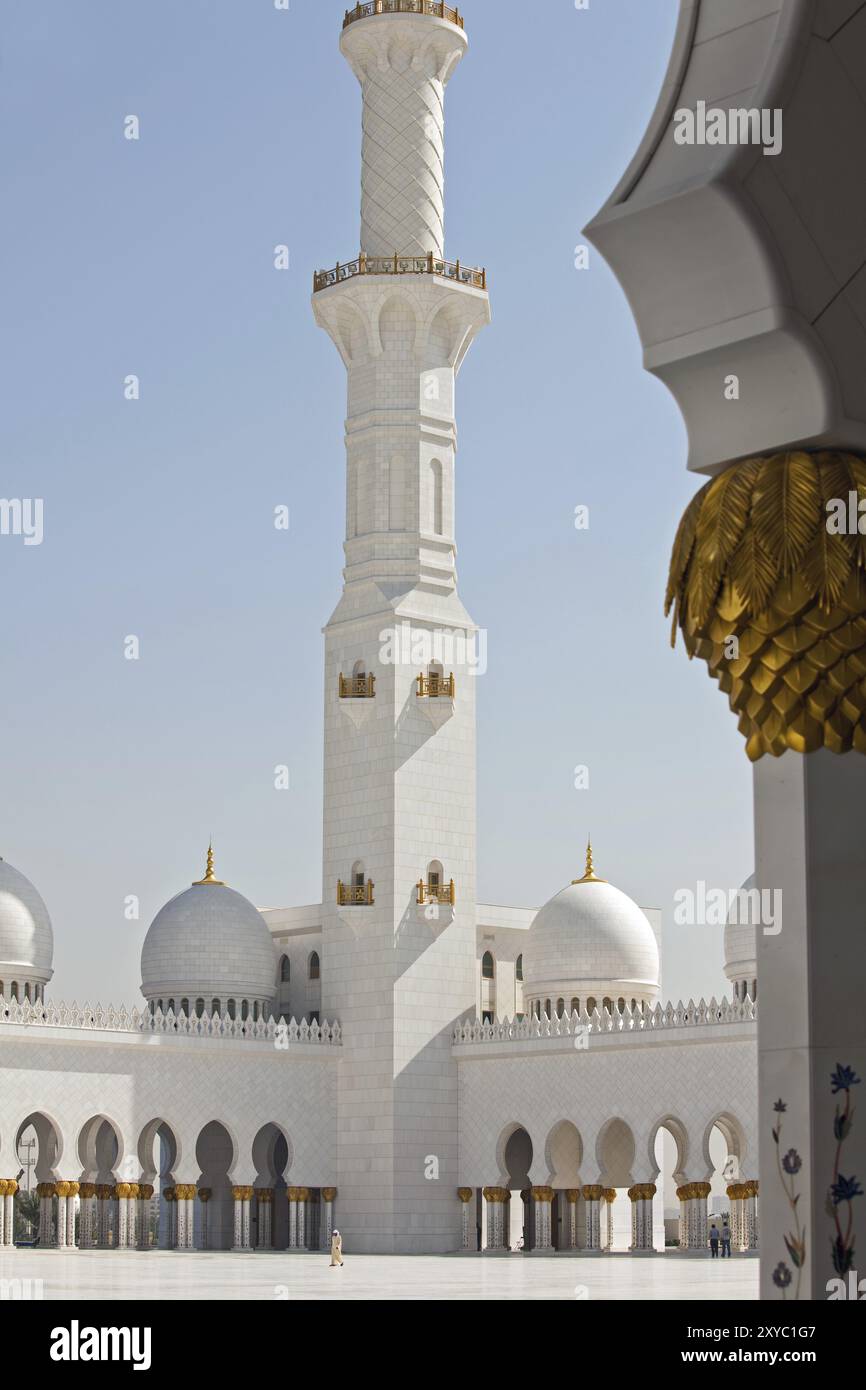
(164, 1274)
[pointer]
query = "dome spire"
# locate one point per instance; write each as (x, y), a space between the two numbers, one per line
(209, 875)
(590, 875)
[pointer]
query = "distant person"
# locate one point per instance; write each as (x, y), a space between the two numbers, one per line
(714, 1240)
(726, 1239)
(336, 1249)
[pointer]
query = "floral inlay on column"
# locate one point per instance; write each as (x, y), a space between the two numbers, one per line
(843, 1190)
(789, 1166)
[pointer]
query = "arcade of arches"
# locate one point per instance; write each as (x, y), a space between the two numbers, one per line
(614, 1212)
(100, 1199)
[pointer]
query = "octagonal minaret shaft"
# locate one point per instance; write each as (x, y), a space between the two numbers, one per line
(399, 785)
(403, 65)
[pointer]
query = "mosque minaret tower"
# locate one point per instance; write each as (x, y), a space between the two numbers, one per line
(399, 891)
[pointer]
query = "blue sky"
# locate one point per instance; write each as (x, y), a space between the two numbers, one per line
(155, 257)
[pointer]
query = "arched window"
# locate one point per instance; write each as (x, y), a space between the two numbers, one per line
(359, 876)
(575, 1006)
(518, 968)
(590, 1005)
(199, 1008)
(608, 1004)
(15, 990)
(560, 1008)
(488, 969)
(256, 1012)
(184, 1007)
(27, 992)
(435, 503)
(245, 1010)
(171, 1005)
(547, 1007)
(633, 1005)
(620, 1004)
(2, 993)
(215, 1006)
(285, 970)
(232, 1008)
(315, 966)
(435, 878)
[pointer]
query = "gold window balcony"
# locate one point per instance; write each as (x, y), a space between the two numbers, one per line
(400, 265)
(437, 9)
(435, 893)
(434, 687)
(357, 687)
(354, 895)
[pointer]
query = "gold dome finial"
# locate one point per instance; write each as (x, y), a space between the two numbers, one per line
(209, 874)
(590, 875)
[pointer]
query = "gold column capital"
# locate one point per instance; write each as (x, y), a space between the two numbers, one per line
(495, 1194)
(264, 1194)
(542, 1194)
(642, 1192)
(690, 1190)
(46, 1189)
(465, 1194)
(242, 1193)
(767, 586)
(145, 1191)
(593, 1192)
(87, 1190)
(185, 1191)
(329, 1194)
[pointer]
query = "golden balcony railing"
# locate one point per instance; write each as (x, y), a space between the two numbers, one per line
(435, 892)
(354, 895)
(400, 265)
(435, 687)
(357, 687)
(435, 8)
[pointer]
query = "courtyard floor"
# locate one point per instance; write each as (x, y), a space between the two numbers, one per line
(280, 1277)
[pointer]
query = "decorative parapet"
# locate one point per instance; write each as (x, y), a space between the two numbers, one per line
(400, 265)
(112, 1020)
(578, 1024)
(436, 9)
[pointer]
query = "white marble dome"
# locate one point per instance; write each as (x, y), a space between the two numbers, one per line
(26, 936)
(741, 946)
(590, 943)
(209, 943)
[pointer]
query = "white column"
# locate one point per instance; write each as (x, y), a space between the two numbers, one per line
(122, 1192)
(571, 1197)
(265, 1208)
(293, 1219)
(541, 1198)
(495, 1197)
(73, 1192)
(303, 1198)
(242, 1196)
(593, 1194)
(204, 1196)
(467, 1225)
(642, 1215)
(145, 1193)
(329, 1197)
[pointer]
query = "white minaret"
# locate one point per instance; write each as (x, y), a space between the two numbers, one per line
(399, 752)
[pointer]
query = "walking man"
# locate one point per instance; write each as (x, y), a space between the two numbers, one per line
(714, 1240)
(726, 1239)
(336, 1249)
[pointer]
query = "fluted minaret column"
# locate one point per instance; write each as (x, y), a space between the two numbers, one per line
(403, 63)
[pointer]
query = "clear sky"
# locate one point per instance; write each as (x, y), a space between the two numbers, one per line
(155, 257)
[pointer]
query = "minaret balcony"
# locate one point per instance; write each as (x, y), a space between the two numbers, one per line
(355, 894)
(435, 687)
(357, 687)
(401, 265)
(437, 9)
(442, 893)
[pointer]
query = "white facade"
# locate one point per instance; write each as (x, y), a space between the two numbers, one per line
(443, 1067)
